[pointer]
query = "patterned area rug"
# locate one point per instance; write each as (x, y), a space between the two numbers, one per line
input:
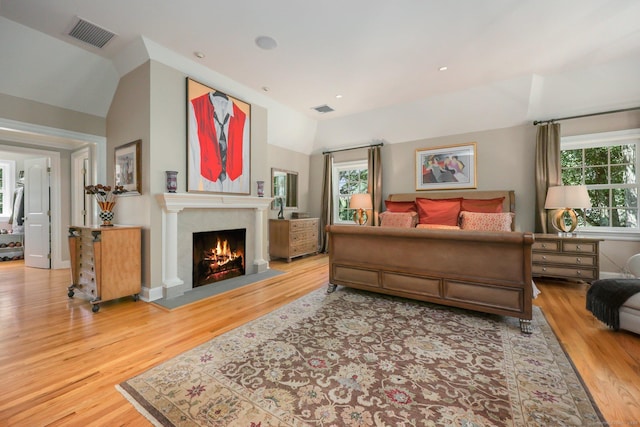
(353, 358)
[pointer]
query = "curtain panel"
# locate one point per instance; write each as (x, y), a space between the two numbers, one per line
(326, 216)
(375, 183)
(548, 170)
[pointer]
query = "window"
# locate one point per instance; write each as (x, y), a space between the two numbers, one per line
(607, 163)
(7, 170)
(348, 178)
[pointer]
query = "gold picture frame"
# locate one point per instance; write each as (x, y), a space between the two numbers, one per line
(446, 167)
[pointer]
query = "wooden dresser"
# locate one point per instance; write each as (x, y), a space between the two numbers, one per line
(105, 262)
(565, 257)
(290, 238)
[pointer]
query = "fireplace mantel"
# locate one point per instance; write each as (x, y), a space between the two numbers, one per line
(174, 203)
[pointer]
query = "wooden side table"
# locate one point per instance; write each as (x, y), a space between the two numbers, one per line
(565, 257)
(105, 262)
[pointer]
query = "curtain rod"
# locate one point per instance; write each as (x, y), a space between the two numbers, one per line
(537, 122)
(379, 144)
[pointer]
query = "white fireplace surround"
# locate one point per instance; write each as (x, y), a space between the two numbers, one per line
(174, 203)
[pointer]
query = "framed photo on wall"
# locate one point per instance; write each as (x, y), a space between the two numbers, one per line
(446, 167)
(218, 141)
(127, 167)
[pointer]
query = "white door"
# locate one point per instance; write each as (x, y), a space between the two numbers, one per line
(37, 226)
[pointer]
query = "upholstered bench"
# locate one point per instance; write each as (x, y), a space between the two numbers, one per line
(616, 302)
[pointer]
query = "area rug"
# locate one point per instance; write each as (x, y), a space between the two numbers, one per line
(353, 358)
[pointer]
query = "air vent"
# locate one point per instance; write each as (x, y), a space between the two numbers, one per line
(90, 33)
(323, 109)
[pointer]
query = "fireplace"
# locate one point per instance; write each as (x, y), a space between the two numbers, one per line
(218, 255)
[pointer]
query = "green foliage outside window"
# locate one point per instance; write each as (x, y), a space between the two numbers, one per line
(350, 181)
(609, 172)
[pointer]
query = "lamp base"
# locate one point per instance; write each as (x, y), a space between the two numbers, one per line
(360, 217)
(559, 221)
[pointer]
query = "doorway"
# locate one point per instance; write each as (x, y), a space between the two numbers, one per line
(56, 145)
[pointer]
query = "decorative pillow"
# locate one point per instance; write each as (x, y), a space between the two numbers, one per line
(483, 205)
(486, 221)
(438, 211)
(438, 227)
(400, 206)
(398, 219)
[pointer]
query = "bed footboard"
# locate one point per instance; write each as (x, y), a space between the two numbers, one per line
(483, 271)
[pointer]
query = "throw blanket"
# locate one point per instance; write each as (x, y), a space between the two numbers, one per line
(606, 296)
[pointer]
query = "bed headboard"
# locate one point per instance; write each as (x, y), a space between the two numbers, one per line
(508, 204)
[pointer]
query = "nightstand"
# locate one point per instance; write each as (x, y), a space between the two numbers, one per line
(565, 257)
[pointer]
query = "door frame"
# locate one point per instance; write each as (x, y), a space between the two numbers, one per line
(14, 131)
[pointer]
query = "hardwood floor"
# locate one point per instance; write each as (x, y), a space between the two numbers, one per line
(59, 362)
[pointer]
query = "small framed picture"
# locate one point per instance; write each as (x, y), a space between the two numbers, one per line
(127, 167)
(447, 167)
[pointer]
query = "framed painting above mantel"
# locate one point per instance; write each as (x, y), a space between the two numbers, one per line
(218, 141)
(446, 167)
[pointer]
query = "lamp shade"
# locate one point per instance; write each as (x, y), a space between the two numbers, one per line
(567, 196)
(361, 201)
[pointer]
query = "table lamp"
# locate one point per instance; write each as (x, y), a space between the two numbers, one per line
(566, 198)
(360, 202)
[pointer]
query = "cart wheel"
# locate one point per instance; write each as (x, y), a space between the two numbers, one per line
(70, 293)
(95, 308)
(136, 297)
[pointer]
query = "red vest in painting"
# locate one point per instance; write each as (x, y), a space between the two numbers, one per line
(210, 162)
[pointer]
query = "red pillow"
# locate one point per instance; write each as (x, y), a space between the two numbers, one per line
(400, 206)
(483, 205)
(439, 211)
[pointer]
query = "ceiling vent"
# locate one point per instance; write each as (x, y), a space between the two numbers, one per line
(90, 33)
(323, 109)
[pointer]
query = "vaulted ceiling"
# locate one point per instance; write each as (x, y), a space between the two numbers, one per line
(372, 53)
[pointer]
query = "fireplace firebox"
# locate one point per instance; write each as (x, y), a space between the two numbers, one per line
(218, 255)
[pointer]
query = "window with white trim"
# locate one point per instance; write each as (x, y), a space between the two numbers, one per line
(7, 185)
(348, 178)
(607, 163)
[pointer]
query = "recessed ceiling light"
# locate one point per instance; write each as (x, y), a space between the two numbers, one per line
(199, 54)
(443, 68)
(338, 96)
(265, 88)
(266, 42)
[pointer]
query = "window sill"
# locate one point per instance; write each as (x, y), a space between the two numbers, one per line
(622, 235)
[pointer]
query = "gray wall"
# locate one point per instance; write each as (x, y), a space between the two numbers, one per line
(505, 161)
(282, 158)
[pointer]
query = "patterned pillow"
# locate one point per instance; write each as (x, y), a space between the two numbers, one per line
(398, 219)
(486, 221)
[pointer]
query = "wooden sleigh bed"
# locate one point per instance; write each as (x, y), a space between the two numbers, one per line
(485, 271)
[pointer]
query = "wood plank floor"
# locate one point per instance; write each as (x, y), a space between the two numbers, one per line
(59, 362)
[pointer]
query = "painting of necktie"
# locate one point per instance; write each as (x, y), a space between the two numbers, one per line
(222, 142)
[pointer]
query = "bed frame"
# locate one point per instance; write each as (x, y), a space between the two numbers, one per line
(488, 272)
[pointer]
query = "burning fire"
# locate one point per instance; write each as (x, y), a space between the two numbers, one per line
(221, 254)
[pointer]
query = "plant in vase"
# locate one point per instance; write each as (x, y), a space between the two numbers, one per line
(106, 196)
